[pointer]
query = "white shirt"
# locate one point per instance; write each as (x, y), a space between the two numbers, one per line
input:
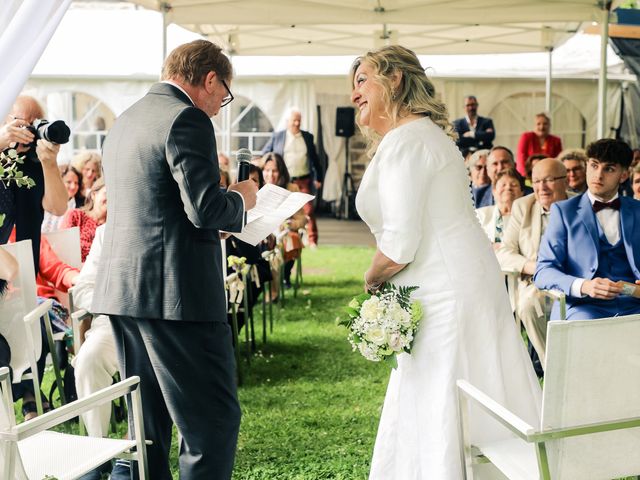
(295, 154)
(609, 220)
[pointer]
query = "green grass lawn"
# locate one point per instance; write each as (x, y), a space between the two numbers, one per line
(311, 405)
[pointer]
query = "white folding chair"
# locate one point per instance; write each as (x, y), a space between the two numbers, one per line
(66, 245)
(30, 451)
(18, 302)
(590, 425)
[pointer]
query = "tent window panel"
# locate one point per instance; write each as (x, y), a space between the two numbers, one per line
(516, 114)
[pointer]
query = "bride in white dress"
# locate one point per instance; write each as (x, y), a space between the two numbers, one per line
(416, 199)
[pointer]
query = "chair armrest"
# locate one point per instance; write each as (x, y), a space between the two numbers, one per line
(73, 409)
(81, 315)
(560, 296)
(497, 411)
(585, 429)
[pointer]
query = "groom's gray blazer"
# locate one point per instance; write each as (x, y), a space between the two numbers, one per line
(161, 257)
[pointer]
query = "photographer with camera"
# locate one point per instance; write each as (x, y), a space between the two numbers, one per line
(24, 207)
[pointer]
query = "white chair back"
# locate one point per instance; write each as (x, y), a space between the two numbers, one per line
(593, 375)
(19, 300)
(10, 460)
(66, 244)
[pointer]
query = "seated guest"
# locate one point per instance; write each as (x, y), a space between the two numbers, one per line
(593, 240)
(89, 164)
(521, 241)
(529, 164)
(53, 274)
(495, 218)
(500, 158)
(95, 362)
(575, 161)
(275, 172)
(255, 174)
(635, 182)
(477, 166)
(223, 162)
(474, 132)
(253, 254)
(73, 183)
(538, 141)
(225, 180)
(89, 217)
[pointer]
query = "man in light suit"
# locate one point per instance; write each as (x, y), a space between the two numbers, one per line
(521, 241)
(474, 132)
(296, 148)
(593, 240)
(160, 275)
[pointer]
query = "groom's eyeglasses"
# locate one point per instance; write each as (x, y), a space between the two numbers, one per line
(229, 98)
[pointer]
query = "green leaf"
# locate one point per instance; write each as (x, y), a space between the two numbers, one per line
(352, 311)
(363, 297)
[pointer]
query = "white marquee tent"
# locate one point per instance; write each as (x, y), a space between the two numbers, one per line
(113, 53)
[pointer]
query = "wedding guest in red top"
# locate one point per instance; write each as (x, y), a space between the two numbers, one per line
(537, 141)
(89, 217)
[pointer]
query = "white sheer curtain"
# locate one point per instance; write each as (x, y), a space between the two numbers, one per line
(27, 26)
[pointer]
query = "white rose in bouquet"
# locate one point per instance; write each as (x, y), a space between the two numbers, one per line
(377, 336)
(369, 309)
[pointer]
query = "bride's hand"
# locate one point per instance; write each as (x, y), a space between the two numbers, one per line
(370, 287)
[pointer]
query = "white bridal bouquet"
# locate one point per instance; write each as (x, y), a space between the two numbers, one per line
(384, 323)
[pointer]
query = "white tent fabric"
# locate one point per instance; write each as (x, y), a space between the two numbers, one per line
(27, 27)
(343, 27)
(85, 56)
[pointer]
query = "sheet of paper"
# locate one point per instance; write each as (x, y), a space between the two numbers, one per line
(275, 205)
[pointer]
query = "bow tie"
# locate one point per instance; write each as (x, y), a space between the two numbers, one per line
(615, 204)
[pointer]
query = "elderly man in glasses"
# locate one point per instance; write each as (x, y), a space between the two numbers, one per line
(521, 242)
(299, 153)
(160, 276)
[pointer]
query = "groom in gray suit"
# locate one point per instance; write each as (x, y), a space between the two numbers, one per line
(160, 278)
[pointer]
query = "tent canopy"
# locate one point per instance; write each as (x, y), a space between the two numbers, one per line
(346, 27)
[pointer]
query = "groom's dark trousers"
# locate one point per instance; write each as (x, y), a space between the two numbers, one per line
(188, 371)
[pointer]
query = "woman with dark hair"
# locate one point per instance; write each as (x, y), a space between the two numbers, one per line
(275, 172)
(72, 180)
(415, 198)
(89, 217)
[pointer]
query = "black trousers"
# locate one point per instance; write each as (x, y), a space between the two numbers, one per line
(187, 378)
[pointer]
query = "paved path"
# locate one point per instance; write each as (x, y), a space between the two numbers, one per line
(344, 232)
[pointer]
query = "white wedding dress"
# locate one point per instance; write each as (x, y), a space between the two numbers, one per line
(416, 199)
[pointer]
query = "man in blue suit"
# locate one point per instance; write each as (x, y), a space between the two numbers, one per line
(474, 132)
(593, 240)
(296, 148)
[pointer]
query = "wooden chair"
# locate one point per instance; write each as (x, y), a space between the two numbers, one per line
(31, 451)
(590, 426)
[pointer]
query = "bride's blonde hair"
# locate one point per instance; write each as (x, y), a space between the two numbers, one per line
(416, 94)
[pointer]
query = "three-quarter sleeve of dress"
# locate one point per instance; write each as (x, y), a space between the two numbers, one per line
(402, 183)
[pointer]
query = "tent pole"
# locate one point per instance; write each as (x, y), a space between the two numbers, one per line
(164, 8)
(602, 80)
(547, 104)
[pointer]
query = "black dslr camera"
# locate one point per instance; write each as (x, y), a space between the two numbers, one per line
(54, 132)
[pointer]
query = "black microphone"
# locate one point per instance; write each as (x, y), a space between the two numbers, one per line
(243, 156)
